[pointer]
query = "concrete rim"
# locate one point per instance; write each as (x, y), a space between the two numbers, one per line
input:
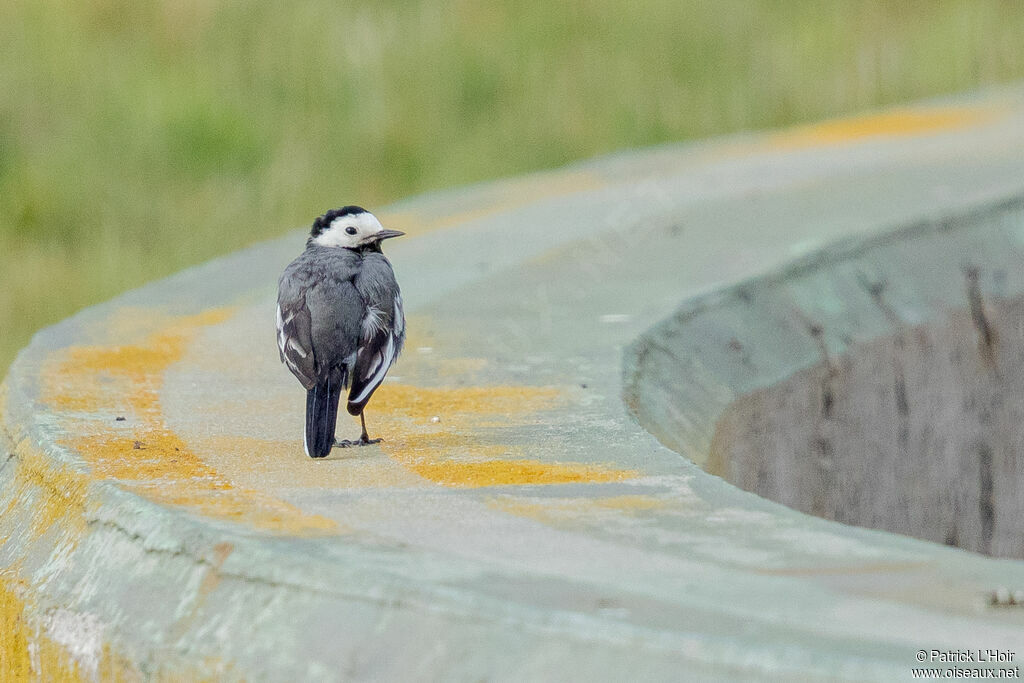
(646, 587)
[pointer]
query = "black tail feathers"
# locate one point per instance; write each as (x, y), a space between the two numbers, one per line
(322, 416)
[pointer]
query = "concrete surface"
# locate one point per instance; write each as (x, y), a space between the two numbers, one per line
(877, 383)
(516, 523)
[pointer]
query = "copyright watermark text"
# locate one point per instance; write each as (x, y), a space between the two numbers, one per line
(982, 664)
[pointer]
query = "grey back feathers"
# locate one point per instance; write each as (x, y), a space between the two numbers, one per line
(340, 325)
(319, 312)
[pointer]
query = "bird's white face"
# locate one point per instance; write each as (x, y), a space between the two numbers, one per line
(350, 231)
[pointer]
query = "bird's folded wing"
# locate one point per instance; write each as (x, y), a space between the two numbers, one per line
(380, 342)
(294, 333)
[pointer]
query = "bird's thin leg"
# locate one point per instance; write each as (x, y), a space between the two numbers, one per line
(364, 438)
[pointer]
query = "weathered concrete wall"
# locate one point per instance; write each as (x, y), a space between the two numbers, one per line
(534, 530)
(909, 416)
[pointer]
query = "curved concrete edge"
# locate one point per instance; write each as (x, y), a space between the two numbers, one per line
(681, 376)
(756, 332)
(104, 580)
(122, 587)
(105, 584)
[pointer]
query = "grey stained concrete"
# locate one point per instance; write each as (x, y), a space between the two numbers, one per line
(905, 412)
(517, 522)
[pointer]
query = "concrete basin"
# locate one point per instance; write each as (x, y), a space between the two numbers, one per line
(159, 518)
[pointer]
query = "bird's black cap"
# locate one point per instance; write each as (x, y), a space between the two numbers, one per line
(324, 221)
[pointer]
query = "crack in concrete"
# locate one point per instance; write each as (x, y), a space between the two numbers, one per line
(876, 290)
(986, 333)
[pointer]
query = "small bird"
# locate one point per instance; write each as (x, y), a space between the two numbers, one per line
(340, 322)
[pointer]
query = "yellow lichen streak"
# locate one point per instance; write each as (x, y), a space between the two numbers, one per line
(885, 124)
(93, 386)
(457, 451)
(24, 654)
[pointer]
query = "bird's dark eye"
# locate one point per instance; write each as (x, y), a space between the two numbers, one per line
(350, 230)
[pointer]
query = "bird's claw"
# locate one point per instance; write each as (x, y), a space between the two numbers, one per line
(345, 443)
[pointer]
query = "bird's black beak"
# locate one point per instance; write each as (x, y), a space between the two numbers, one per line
(387, 234)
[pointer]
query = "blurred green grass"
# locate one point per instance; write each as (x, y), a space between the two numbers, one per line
(138, 137)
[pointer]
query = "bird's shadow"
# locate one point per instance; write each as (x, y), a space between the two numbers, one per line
(363, 452)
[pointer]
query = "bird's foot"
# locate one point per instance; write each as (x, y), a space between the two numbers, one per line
(345, 443)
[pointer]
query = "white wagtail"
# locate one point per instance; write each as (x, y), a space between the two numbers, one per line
(339, 320)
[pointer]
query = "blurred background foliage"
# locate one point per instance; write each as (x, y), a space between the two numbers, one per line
(141, 136)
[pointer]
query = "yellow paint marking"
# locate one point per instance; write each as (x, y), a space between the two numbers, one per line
(25, 654)
(100, 383)
(425, 402)
(513, 473)
(456, 452)
(466, 460)
(136, 324)
(504, 195)
(29, 653)
(51, 497)
(898, 122)
(468, 446)
(53, 500)
(102, 378)
(63, 492)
